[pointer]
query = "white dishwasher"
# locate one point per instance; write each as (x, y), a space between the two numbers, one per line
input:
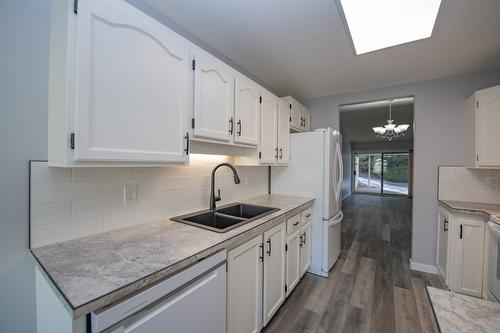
(191, 301)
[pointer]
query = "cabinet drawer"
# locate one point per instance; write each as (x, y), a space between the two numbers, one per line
(293, 224)
(306, 216)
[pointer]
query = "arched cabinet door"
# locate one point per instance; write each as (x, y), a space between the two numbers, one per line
(132, 80)
(213, 98)
(248, 99)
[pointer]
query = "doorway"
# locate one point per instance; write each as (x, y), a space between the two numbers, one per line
(381, 173)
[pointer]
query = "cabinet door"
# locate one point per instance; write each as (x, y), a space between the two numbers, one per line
(305, 249)
(468, 256)
(274, 270)
(283, 133)
(268, 128)
(247, 111)
(213, 98)
(442, 245)
(244, 312)
(487, 120)
(293, 268)
(132, 86)
(295, 114)
(306, 116)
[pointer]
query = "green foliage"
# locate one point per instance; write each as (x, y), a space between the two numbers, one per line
(395, 166)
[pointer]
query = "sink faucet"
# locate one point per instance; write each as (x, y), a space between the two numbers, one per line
(214, 198)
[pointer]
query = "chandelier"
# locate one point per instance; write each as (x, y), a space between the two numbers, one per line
(391, 130)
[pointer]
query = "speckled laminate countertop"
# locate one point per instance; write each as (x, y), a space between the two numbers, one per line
(456, 313)
(95, 271)
(490, 210)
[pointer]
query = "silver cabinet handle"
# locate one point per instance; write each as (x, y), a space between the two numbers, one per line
(308, 215)
(231, 125)
(281, 153)
(239, 127)
(305, 238)
(445, 225)
(276, 152)
(296, 223)
(300, 241)
(269, 247)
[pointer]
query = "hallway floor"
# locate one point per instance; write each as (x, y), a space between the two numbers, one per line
(371, 287)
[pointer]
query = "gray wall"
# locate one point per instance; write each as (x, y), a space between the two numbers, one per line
(24, 36)
(440, 121)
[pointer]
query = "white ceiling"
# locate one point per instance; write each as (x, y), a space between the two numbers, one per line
(301, 48)
(357, 123)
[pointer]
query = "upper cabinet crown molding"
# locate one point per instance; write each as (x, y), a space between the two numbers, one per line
(483, 138)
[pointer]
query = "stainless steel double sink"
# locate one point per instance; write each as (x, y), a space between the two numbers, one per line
(226, 217)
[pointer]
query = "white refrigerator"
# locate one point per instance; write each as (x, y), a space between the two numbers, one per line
(315, 170)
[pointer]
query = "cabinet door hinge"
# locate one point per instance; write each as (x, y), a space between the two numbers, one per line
(477, 158)
(290, 118)
(260, 99)
(194, 64)
(75, 6)
(192, 122)
(290, 106)
(260, 154)
(286, 288)
(286, 247)
(72, 141)
(477, 103)
(226, 267)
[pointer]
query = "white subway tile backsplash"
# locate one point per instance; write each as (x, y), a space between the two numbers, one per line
(50, 213)
(40, 172)
(93, 174)
(54, 192)
(57, 232)
(72, 203)
(464, 184)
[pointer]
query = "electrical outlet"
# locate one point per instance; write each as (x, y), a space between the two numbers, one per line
(129, 194)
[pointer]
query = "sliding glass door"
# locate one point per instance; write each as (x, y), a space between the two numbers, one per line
(395, 180)
(381, 173)
(367, 173)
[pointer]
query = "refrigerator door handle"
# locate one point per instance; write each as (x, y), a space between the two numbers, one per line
(338, 218)
(341, 172)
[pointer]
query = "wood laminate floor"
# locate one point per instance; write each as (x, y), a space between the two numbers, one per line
(371, 287)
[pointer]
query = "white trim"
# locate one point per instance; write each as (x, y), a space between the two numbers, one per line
(416, 266)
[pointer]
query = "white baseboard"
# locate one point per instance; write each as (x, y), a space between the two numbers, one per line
(416, 266)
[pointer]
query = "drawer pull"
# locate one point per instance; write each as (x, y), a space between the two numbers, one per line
(296, 223)
(308, 215)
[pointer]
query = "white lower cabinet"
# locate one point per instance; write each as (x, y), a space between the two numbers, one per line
(293, 256)
(274, 270)
(244, 311)
(305, 248)
(460, 251)
(443, 244)
(468, 255)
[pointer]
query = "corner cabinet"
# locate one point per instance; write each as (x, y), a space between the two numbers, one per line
(109, 102)
(483, 138)
(460, 251)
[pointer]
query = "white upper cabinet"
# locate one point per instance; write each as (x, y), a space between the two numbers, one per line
(483, 138)
(247, 111)
(269, 128)
(283, 133)
(118, 86)
(300, 116)
(306, 119)
(213, 98)
(487, 133)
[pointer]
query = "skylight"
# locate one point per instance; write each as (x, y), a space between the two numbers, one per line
(377, 24)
